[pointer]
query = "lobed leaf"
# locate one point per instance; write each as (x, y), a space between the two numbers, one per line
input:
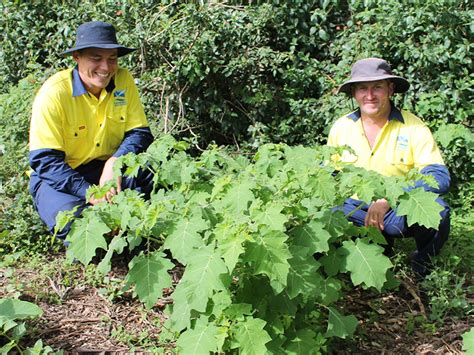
(366, 263)
(420, 207)
(185, 237)
(251, 336)
(339, 325)
(303, 277)
(150, 275)
(86, 236)
(304, 342)
(269, 254)
(201, 340)
(312, 235)
(203, 277)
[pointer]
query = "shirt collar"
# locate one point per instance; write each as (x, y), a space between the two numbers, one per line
(395, 114)
(78, 87)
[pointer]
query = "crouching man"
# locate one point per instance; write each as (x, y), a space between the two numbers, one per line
(391, 142)
(83, 119)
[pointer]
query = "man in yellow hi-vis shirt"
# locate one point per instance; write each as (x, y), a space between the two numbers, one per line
(83, 119)
(391, 142)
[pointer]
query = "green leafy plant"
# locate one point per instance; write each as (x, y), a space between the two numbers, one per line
(20, 226)
(468, 342)
(244, 75)
(265, 257)
(11, 311)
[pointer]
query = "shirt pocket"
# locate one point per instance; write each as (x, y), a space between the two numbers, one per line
(75, 140)
(115, 131)
(401, 160)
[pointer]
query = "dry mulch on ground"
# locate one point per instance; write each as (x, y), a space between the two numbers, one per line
(393, 323)
(86, 321)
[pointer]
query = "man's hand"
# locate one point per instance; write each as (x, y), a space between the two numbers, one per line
(95, 201)
(107, 175)
(376, 214)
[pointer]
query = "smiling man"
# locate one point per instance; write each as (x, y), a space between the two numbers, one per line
(391, 142)
(83, 119)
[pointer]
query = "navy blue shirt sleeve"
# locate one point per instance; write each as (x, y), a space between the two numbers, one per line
(50, 166)
(440, 173)
(136, 140)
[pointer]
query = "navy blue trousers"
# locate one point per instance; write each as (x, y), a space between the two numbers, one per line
(428, 241)
(49, 202)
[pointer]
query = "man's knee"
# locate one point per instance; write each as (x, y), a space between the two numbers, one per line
(395, 226)
(49, 202)
(446, 212)
(79, 207)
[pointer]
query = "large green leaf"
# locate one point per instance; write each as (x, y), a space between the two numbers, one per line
(180, 317)
(468, 342)
(237, 199)
(230, 242)
(304, 342)
(301, 159)
(334, 262)
(201, 340)
(322, 185)
(251, 336)
(270, 215)
(270, 255)
(312, 235)
(150, 275)
(334, 222)
(86, 236)
(366, 263)
(13, 309)
(339, 325)
(303, 277)
(185, 237)
(420, 207)
(329, 291)
(202, 277)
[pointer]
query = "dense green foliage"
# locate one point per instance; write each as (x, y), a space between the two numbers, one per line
(266, 257)
(246, 76)
(20, 226)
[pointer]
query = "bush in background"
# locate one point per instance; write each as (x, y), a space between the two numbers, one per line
(245, 75)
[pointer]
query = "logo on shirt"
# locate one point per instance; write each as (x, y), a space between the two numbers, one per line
(402, 142)
(119, 98)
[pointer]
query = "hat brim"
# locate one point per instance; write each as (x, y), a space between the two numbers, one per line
(121, 49)
(401, 84)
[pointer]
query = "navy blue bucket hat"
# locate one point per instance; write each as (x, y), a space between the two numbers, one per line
(97, 34)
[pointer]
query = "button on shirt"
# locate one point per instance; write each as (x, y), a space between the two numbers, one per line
(404, 143)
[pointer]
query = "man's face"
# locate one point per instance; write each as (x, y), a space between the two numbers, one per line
(96, 67)
(373, 97)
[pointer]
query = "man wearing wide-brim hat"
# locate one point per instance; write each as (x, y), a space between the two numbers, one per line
(83, 119)
(391, 142)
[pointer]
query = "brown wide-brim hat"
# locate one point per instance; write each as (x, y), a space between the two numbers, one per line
(373, 69)
(97, 34)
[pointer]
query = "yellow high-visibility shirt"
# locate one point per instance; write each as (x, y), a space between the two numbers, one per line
(404, 143)
(67, 118)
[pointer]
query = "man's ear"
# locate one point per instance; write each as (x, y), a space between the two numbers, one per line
(75, 56)
(352, 87)
(391, 87)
